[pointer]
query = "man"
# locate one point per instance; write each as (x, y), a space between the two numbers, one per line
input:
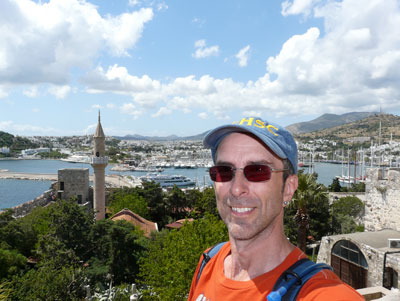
(254, 180)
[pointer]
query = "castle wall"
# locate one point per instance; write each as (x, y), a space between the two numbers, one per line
(43, 200)
(382, 199)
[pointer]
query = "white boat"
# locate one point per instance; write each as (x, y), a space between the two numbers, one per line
(168, 180)
(349, 179)
(148, 169)
(121, 167)
(77, 159)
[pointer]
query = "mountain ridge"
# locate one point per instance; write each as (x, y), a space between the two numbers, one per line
(320, 123)
(327, 121)
(378, 127)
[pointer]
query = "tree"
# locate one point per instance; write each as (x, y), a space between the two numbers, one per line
(116, 249)
(207, 204)
(154, 197)
(167, 270)
(176, 204)
(192, 197)
(335, 186)
(11, 262)
(71, 224)
(6, 217)
(357, 187)
(308, 212)
(50, 281)
(345, 212)
(72, 249)
(5, 290)
(130, 200)
(18, 235)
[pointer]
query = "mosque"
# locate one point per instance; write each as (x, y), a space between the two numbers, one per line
(74, 182)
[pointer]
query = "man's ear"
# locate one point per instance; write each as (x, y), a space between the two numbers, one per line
(290, 187)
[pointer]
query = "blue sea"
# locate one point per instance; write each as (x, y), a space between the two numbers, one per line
(15, 192)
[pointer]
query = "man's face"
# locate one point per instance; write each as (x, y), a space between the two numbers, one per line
(249, 208)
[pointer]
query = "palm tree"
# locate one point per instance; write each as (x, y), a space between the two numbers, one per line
(308, 193)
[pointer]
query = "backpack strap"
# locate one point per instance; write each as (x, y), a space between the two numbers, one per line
(289, 284)
(207, 256)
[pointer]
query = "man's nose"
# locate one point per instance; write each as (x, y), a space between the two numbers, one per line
(239, 183)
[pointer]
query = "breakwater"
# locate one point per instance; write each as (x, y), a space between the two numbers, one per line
(27, 176)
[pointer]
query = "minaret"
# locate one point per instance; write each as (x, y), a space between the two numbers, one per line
(99, 162)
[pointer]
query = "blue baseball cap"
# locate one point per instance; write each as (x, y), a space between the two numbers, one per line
(274, 136)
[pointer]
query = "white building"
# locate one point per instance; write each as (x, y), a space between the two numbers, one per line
(4, 150)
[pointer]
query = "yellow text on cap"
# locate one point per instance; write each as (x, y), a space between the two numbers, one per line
(258, 123)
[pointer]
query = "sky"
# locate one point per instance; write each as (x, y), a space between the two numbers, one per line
(159, 67)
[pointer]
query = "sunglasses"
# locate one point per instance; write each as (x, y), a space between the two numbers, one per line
(253, 172)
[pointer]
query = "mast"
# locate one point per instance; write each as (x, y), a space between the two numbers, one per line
(348, 167)
(355, 167)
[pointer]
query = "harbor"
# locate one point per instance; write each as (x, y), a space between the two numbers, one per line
(26, 179)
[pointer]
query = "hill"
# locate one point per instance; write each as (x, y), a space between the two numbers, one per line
(326, 121)
(157, 138)
(367, 127)
(15, 143)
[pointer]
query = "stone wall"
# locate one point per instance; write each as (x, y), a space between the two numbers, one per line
(43, 200)
(375, 257)
(73, 182)
(382, 199)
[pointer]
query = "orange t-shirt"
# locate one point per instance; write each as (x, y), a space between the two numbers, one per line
(213, 285)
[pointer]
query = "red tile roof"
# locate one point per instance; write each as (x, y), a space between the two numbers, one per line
(136, 220)
(179, 223)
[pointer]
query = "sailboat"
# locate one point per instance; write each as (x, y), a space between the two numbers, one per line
(348, 179)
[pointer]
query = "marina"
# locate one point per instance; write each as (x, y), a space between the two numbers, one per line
(26, 185)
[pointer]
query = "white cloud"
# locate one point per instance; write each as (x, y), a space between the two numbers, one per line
(60, 92)
(200, 22)
(298, 7)
(203, 115)
(243, 56)
(123, 31)
(35, 110)
(162, 112)
(130, 109)
(97, 106)
(11, 127)
(90, 129)
(110, 106)
(3, 91)
(117, 79)
(202, 51)
(162, 6)
(32, 92)
(41, 42)
(252, 113)
(352, 64)
(133, 2)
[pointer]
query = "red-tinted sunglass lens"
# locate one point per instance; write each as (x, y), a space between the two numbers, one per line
(221, 173)
(257, 173)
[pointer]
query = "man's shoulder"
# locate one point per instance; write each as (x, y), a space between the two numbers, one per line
(326, 285)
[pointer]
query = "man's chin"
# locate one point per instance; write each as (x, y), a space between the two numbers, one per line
(240, 232)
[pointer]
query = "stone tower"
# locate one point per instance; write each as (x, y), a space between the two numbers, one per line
(99, 162)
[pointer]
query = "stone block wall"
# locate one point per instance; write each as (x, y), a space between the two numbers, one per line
(73, 182)
(43, 200)
(382, 199)
(374, 257)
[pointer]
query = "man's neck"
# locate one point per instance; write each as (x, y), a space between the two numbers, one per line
(251, 258)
